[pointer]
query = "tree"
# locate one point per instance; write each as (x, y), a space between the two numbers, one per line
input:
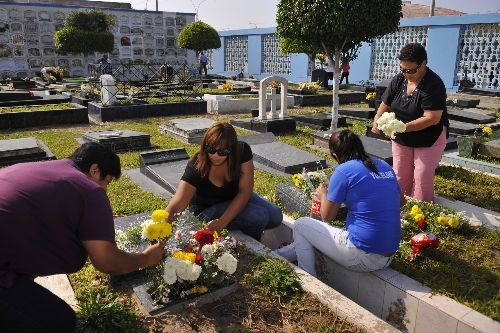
(86, 32)
(198, 36)
(337, 27)
(288, 45)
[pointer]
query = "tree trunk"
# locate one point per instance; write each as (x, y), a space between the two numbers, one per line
(335, 90)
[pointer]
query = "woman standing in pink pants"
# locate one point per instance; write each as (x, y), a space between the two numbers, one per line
(417, 96)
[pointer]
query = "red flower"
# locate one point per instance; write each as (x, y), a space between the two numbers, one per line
(422, 224)
(189, 248)
(199, 259)
(204, 236)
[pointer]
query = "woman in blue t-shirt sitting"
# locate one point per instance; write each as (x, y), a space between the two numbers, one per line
(218, 186)
(369, 189)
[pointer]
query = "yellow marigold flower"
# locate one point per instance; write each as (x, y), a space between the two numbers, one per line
(443, 220)
(453, 222)
(418, 217)
(165, 229)
(198, 290)
(487, 130)
(159, 215)
(152, 231)
(216, 236)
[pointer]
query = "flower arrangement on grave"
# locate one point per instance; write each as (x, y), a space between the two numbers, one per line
(308, 181)
(391, 126)
(484, 133)
(310, 88)
(227, 87)
(197, 261)
(425, 226)
(207, 260)
(371, 96)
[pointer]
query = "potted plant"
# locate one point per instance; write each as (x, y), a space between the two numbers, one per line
(468, 145)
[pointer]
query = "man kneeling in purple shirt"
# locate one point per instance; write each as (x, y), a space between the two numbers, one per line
(53, 215)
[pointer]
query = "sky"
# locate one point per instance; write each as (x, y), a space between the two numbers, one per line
(247, 14)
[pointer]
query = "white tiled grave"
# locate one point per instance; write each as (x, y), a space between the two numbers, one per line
(395, 297)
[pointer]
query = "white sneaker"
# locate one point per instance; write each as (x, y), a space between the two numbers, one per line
(287, 252)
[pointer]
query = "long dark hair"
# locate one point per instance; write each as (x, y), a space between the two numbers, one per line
(220, 136)
(348, 146)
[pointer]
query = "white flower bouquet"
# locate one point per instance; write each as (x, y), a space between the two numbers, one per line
(390, 125)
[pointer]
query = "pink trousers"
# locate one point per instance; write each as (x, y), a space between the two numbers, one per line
(415, 167)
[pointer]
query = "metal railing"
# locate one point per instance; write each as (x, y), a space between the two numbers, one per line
(146, 83)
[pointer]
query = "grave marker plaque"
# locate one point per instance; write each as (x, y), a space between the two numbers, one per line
(280, 158)
(23, 150)
(189, 130)
(119, 140)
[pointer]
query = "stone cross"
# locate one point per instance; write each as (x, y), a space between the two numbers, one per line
(264, 97)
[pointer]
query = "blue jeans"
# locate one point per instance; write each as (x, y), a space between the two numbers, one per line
(259, 214)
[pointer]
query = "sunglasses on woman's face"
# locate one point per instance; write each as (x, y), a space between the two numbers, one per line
(410, 70)
(220, 152)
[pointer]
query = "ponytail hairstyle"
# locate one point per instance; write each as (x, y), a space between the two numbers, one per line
(346, 145)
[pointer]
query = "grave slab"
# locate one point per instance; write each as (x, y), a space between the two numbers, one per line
(482, 91)
(275, 126)
(454, 159)
(463, 103)
(16, 96)
(320, 121)
(357, 113)
(119, 140)
(459, 127)
(470, 117)
(53, 99)
(189, 130)
(23, 150)
(278, 156)
(164, 167)
(375, 147)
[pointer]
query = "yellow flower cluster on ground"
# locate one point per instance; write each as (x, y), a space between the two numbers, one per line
(450, 221)
(227, 87)
(309, 87)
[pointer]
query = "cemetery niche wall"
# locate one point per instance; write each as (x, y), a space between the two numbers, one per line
(27, 29)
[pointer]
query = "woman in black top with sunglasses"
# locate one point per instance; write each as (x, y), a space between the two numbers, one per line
(218, 186)
(417, 96)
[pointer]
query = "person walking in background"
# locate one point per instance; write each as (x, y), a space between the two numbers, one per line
(345, 73)
(218, 186)
(417, 96)
(53, 216)
(203, 63)
(105, 65)
(368, 188)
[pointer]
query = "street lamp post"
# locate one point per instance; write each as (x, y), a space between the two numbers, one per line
(196, 8)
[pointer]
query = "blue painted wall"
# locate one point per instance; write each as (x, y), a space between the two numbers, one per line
(442, 47)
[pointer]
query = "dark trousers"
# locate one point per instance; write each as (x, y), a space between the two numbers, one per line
(346, 76)
(29, 307)
(203, 66)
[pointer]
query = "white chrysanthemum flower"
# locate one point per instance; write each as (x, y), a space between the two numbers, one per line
(169, 271)
(227, 263)
(388, 124)
(208, 249)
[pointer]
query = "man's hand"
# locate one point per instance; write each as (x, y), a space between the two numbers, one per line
(154, 253)
(216, 225)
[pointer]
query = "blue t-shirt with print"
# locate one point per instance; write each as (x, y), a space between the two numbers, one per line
(373, 203)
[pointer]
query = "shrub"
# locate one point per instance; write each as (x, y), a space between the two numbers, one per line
(276, 278)
(72, 39)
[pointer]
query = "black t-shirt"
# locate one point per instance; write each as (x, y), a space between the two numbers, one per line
(430, 94)
(207, 194)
